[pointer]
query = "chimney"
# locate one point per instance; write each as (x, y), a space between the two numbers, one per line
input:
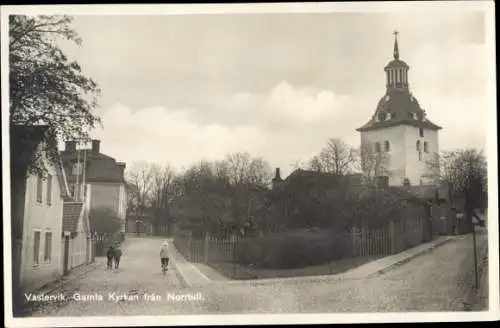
(121, 167)
(96, 145)
(277, 176)
(70, 146)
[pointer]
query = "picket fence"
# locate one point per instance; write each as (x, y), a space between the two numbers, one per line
(391, 238)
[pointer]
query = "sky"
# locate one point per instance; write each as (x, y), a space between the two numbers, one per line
(178, 89)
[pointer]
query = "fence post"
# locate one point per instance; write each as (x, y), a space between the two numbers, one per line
(232, 248)
(353, 239)
(206, 247)
(392, 235)
(189, 248)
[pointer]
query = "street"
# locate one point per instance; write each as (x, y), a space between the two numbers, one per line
(436, 281)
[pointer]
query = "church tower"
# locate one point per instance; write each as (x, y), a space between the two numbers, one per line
(399, 132)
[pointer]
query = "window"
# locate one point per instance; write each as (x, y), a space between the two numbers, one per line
(72, 190)
(418, 145)
(49, 189)
(39, 188)
(426, 147)
(421, 131)
(387, 146)
(377, 147)
(419, 155)
(77, 169)
(36, 248)
(47, 257)
(382, 116)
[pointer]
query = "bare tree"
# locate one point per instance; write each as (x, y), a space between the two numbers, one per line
(162, 192)
(465, 173)
(259, 172)
(372, 162)
(140, 177)
(337, 158)
(238, 167)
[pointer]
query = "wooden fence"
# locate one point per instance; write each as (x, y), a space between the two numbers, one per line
(208, 249)
(392, 238)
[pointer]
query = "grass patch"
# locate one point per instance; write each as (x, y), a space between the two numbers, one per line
(243, 272)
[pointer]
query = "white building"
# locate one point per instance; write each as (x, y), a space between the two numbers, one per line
(399, 130)
(40, 209)
(102, 176)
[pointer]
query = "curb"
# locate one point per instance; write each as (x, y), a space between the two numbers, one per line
(409, 258)
(182, 278)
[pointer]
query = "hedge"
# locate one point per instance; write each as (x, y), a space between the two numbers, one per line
(294, 249)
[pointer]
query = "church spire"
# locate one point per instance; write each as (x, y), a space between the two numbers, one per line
(397, 70)
(396, 49)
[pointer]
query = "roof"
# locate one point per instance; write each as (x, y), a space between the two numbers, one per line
(397, 63)
(309, 178)
(25, 141)
(71, 215)
(99, 167)
(402, 106)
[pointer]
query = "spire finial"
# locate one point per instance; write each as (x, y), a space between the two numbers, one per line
(396, 50)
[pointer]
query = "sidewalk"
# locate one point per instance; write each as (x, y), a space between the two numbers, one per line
(192, 274)
(388, 263)
(76, 273)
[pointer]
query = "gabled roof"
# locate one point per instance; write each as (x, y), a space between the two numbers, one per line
(99, 167)
(71, 215)
(317, 178)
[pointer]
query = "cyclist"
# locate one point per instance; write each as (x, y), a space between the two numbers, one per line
(164, 254)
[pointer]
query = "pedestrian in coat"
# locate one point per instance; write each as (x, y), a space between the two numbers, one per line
(118, 254)
(110, 254)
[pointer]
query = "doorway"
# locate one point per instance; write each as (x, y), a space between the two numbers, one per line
(66, 255)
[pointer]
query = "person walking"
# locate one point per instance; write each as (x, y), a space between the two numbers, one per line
(110, 254)
(118, 255)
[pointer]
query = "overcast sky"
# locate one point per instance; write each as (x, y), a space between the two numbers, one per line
(181, 88)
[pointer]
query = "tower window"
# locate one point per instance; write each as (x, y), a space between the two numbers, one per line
(426, 147)
(377, 147)
(382, 116)
(387, 146)
(418, 145)
(421, 132)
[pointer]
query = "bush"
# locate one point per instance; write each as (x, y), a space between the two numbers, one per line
(294, 249)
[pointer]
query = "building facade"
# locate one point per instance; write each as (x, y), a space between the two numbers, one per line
(41, 251)
(77, 243)
(102, 173)
(399, 132)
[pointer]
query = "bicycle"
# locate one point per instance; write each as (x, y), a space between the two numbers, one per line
(164, 266)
